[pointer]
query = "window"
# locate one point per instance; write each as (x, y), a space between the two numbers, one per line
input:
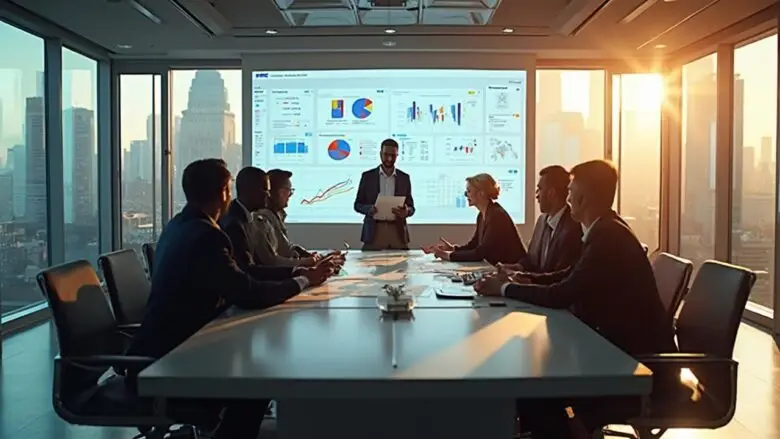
(636, 149)
(753, 200)
(139, 97)
(699, 103)
(22, 168)
(79, 153)
(569, 117)
(206, 108)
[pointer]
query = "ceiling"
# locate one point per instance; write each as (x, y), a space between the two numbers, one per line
(549, 28)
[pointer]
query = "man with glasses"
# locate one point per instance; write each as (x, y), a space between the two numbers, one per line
(385, 180)
(273, 245)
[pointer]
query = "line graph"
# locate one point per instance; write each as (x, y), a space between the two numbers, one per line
(339, 188)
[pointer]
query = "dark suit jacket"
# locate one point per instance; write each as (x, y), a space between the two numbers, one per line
(242, 230)
(564, 249)
(367, 193)
(611, 288)
(195, 277)
(495, 239)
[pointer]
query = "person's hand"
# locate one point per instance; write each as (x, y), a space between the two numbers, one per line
(319, 274)
(401, 212)
(509, 267)
(444, 255)
(519, 278)
(309, 262)
(428, 249)
(489, 286)
(373, 211)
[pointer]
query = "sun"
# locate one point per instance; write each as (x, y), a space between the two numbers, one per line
(643, 92)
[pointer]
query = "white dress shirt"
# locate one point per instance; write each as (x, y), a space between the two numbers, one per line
(386, 183)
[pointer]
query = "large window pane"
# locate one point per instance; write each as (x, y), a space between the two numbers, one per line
(141, 158)
(79, 151)
(636, 149)
(755, 120)
(22, 168)
(699, 104)
(206, 105)
(569, 117)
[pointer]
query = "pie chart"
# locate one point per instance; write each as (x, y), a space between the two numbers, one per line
(339, 149)
(362, 108)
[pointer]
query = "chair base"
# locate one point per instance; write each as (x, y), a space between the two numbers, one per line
(183, 432)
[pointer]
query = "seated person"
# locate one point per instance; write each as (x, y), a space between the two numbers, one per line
(273, 246)
(557, 239)
(196, 276)
(610, 288)
(495, 239)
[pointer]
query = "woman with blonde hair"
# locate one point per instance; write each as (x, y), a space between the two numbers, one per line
(495, 239)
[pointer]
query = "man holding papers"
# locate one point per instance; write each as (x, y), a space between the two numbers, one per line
(384, 196)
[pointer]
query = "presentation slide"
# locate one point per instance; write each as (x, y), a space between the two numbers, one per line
(326, 127)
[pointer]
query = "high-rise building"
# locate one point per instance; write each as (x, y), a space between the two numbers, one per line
(35, 160)
(79, 139)
(6, 195)
(136, 166)
(208, 128)
(19, 158)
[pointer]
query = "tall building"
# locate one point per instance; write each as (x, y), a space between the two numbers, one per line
(136, 166)
(19, 158)
(35, 160)
(738, 149)
(79, 140)
(6, 195)
(208, 128)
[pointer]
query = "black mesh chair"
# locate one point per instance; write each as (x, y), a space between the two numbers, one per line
(672, 275)
(148, 251)
(697, 388)
(90, 345)
(127, 285)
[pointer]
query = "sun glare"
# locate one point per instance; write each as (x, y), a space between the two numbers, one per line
(644, 92)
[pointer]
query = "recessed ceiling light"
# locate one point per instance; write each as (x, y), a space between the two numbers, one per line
(271, 32)
(390, 30)
(507, 30)
(124, 46)
(660, 46)
(388, 43)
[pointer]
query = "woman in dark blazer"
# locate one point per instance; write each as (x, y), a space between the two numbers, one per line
(495, 239)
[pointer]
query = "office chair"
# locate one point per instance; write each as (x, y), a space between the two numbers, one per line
(90, 345)
(672, 275)
(148, 252)
(697, 388)
(127, 285)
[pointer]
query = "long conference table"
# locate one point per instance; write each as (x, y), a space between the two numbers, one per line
(338, 369)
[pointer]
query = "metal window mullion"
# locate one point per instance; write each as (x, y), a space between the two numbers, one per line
(607, 114)
(776, 265)
(107, 154)
(115, 139)
(724, 145)
(166, 154)
(671, 164)
(55, 194)
(247, 111)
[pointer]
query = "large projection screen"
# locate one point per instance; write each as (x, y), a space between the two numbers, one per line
(322, 116)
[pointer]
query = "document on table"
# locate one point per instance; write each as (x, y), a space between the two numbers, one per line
(385, 205)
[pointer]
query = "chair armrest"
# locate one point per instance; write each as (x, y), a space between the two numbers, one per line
(117, 362)
(128, 330)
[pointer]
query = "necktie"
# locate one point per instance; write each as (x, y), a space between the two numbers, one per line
(546, 237)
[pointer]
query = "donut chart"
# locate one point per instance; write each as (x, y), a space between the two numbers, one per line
(362, 108)
(339, 149)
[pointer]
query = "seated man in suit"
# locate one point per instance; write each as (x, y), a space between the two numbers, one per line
(495, 238)
(610, 288)
(249, 234)
(385, 180)
(273, 246)
(196, 275)
(557, 239)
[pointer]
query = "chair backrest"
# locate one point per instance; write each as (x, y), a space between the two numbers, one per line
(712, 312)
(148, 251)
(82, 317)
(672, 275)
(127, 284)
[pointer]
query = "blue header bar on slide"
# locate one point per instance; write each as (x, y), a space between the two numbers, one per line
(384, 73)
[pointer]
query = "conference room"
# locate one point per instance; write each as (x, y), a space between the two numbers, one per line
(103, 105)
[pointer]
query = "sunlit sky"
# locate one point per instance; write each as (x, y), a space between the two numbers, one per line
(23, 58)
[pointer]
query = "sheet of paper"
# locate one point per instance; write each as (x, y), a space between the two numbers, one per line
(385, 205)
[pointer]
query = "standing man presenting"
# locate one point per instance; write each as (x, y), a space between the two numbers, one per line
(385, 180)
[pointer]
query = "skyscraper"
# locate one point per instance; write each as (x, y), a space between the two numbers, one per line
(19, 158)
(79, 140)
(35, 160)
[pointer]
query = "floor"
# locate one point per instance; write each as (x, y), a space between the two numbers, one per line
(26, 412)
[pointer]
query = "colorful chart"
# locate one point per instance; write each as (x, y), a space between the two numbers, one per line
(337, 108)
(362, 108)
(339, 149)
